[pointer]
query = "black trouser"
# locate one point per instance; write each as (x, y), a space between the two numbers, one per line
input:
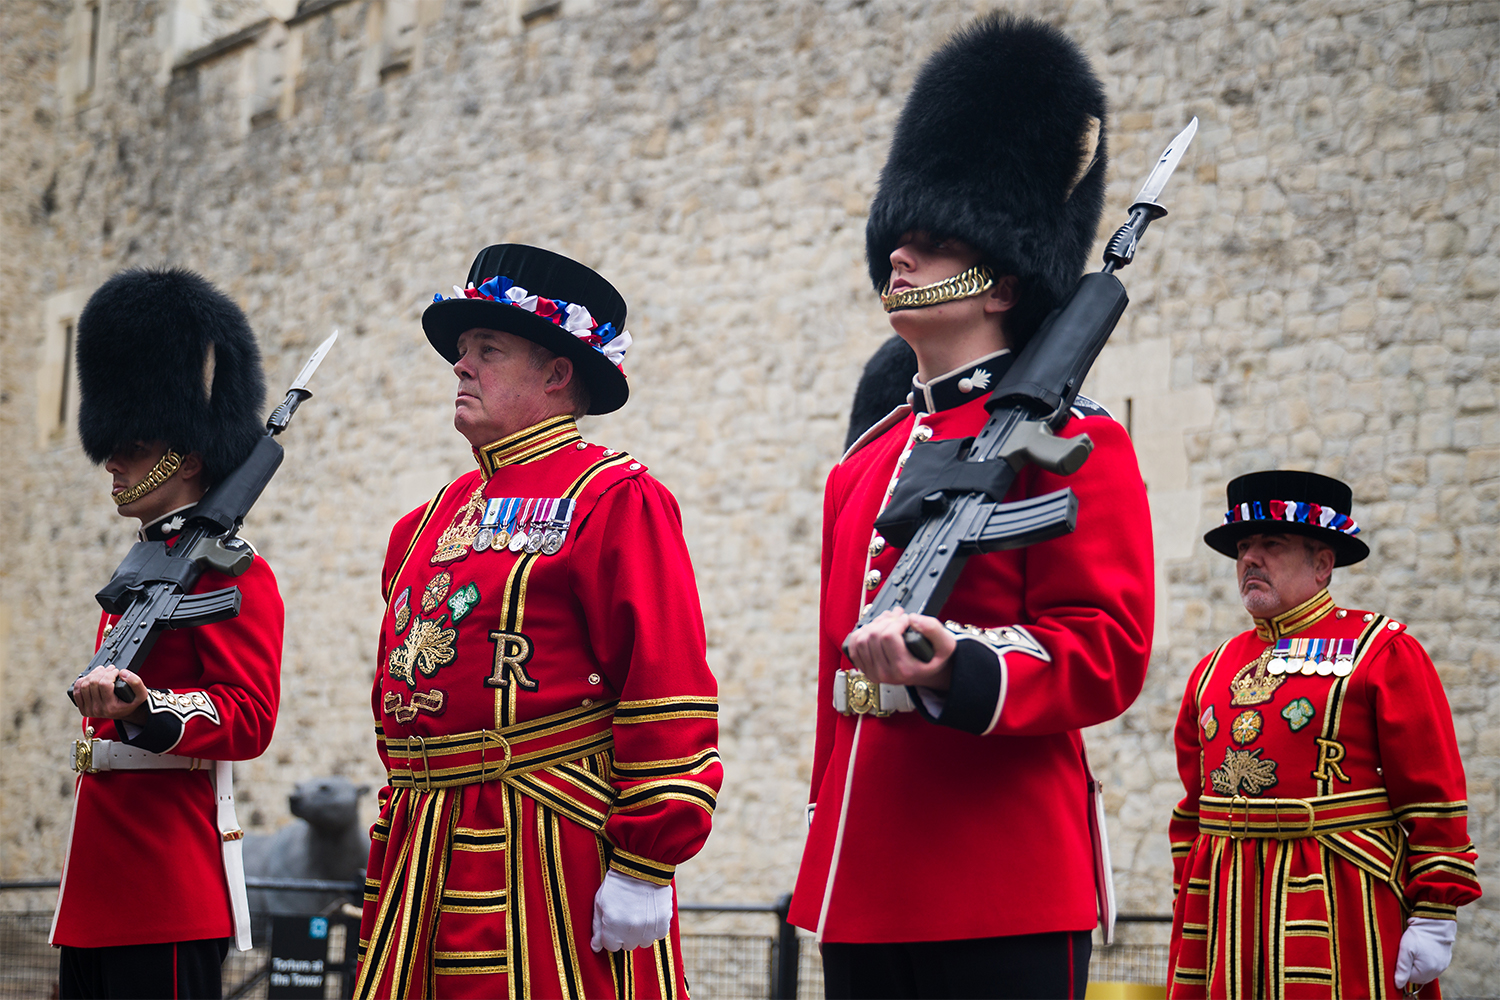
(186, 969)
(1024, 965)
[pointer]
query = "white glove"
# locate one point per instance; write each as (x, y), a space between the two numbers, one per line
(1426, 949)
(630, 913)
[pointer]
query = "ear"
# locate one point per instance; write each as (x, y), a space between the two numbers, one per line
(1003, 295)
(191, 468)
(361, 790)
(559, 374)
(1323, 565)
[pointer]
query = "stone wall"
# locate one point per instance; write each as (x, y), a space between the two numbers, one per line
(1322, 296)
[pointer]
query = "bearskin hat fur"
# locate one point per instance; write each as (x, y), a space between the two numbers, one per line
(1002, 145)
(885, 384)
(164, 355)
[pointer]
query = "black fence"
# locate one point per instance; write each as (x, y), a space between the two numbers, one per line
(781, 963)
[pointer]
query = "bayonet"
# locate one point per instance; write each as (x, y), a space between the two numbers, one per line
(1162, 172)
(1146, 209)
(298, 392)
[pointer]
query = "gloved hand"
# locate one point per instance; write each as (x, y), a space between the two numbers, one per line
(630, 913)
(1426, 949)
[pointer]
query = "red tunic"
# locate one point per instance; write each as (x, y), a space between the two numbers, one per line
(1008, 803)
(1352, 793)
(485, 887)
(149, 839)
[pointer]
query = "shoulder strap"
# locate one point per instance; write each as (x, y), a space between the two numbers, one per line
(1207, 675)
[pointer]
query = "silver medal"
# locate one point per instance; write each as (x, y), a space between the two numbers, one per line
(483, 539)
(552, 542)
(517, 541)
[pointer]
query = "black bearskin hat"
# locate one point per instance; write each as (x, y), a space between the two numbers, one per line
(885, 384)
(1002, 145)
(164, 355)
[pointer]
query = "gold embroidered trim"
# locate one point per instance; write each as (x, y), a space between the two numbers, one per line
(1312, 610)
(527, 445)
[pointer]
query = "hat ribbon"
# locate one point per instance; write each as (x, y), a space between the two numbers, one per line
(1316, 515)
(571, 316)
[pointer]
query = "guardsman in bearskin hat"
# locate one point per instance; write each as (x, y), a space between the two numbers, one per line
(953, 847)
(171, 392)
(1322, 848)
(542, 701)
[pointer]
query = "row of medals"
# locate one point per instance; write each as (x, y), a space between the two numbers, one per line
(540, 531)
(1342, 666)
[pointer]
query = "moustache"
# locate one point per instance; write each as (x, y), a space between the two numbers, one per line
(1252, 573)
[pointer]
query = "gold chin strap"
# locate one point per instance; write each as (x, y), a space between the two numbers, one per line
(164, 469)
(975, 281)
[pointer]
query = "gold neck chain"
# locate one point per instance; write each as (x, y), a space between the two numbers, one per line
(164, 469)
(975, 281)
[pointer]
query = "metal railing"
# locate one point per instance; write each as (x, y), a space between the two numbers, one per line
(777, 966)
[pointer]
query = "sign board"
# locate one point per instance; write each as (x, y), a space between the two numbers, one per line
(299, 958)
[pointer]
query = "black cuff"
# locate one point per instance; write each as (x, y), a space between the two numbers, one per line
(974, 691)
(159, 733)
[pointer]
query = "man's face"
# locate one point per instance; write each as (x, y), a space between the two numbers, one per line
(134, 462)
(500, 389)
(1278, 572)
(921, 259)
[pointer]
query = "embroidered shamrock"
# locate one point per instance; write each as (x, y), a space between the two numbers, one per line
(1299, 713)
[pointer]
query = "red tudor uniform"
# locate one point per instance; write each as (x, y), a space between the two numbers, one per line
(1322, 810)
(542, 717)
(1016, 786)
(149, 837)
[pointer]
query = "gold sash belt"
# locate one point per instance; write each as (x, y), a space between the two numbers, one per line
(426, 763)
(1242, 818)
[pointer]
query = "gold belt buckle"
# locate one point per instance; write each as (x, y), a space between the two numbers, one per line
(83, 756)
(1245, 833)
(1311, 820)
(484, 747)
(862, 695)
(426, 766)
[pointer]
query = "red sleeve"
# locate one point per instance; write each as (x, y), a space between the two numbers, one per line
(1426, 789)
(631, 573)
(1088, 599)
(1182, 831)
(230, 712)
(829, 653)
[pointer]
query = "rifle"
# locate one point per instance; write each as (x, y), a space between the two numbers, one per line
(949, 504)
(150, 588)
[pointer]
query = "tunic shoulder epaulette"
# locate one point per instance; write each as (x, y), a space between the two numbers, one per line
(1085, 407)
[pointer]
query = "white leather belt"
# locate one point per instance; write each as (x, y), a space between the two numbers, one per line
(856, 694)
(93, 756)
(96, 756)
